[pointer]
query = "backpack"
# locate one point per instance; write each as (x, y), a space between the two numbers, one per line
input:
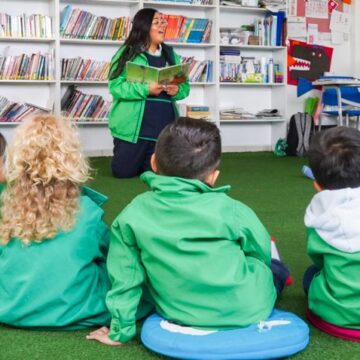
(301, 128)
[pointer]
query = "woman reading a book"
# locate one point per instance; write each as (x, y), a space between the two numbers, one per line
(141, 109)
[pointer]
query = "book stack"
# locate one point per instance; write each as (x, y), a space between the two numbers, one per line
(79, 106)
(34, 26)
(84, 69)
(236, 114)
(182, 29)
(27, 67)
(79, 24)
(11, 111)
(198, 112)
(230, 65)
(199, 70)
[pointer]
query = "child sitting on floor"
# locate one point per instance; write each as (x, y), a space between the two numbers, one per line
(332, 221)
(204, 257)
(53, 241)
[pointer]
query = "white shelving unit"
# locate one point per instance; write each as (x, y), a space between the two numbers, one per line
(237, 135)
(253, 134)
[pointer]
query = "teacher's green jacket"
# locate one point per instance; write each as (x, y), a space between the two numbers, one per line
(129, 98)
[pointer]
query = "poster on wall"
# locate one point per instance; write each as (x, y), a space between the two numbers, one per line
(307, 61)
(317, 9)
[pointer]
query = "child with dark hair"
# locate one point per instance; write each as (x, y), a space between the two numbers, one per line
(332, 221)
(204, 257)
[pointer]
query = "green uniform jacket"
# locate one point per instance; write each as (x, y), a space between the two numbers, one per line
(129, 98)
(332, 219)
(204, 256)
(60, 282)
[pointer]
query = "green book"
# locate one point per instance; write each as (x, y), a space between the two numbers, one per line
(173, 75)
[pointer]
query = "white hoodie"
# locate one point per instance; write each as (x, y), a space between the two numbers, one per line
(335, 216)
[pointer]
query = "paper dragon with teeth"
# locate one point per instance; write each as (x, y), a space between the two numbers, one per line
(306, 62)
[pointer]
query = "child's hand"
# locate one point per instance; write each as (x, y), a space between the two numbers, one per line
(155, 89)
(101, 335)
(172, 90)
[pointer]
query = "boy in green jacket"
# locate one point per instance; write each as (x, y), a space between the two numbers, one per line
(332, 221)
(204, 257)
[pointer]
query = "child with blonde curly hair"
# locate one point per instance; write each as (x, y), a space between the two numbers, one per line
(53, 241)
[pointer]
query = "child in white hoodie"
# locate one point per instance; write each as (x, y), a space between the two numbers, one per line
(333, 223)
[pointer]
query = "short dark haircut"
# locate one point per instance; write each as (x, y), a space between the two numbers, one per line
(334, 158)
(2, 145)
(188, 148)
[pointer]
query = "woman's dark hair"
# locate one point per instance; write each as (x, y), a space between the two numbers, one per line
(2, 145)
(137, 42)
(334, 158)
(188, 148)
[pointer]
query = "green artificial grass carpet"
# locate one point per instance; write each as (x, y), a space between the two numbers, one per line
(273, 187)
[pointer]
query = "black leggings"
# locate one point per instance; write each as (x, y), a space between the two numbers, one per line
(131, 159)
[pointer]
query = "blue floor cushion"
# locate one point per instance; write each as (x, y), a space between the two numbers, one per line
(282, 334)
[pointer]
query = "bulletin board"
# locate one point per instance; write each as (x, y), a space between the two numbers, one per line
(323, 24)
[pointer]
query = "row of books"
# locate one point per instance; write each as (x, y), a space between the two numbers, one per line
(36, 66)
(11, 111)
(237, 68)
(34, 26)
(183, 29)
(199, 70)
(79, 106)
(195, 111)
(246, 73)
(84, 69)
(271, 30)
(193, 2)
(81, 24)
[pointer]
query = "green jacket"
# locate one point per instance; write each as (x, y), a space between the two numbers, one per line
(61, 282)
(332, 219)
(129, 98)
(204, 257)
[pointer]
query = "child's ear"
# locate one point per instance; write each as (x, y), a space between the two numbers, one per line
(212, 177)
(317, 187)
(153, 163)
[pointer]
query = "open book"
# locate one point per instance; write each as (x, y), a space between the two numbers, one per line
(173, 75)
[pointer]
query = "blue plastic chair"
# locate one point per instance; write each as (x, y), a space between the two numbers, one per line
(335, 103)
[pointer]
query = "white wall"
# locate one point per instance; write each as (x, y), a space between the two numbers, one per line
(345, 61)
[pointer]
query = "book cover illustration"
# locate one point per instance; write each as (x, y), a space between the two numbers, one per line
(173, 75)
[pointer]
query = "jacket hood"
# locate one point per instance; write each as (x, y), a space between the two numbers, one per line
(170, 184)
(98, 198)
(335, 216)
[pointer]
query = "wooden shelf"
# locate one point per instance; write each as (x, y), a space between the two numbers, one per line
(224, 83)
(27, 39)
(253, 47)
(91, 42)
(179, 5)
(22, 82)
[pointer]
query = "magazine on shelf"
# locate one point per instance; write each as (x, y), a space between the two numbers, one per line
(173, 75)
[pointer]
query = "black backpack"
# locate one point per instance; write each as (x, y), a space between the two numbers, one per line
(301, 128)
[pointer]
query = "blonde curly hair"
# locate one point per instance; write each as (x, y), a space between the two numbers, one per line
(44, 169)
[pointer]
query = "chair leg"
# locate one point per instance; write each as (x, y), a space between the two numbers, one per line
(358, 122)
(319, 123)
(347, 121)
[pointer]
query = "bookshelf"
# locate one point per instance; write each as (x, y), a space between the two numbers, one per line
(256, 134)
